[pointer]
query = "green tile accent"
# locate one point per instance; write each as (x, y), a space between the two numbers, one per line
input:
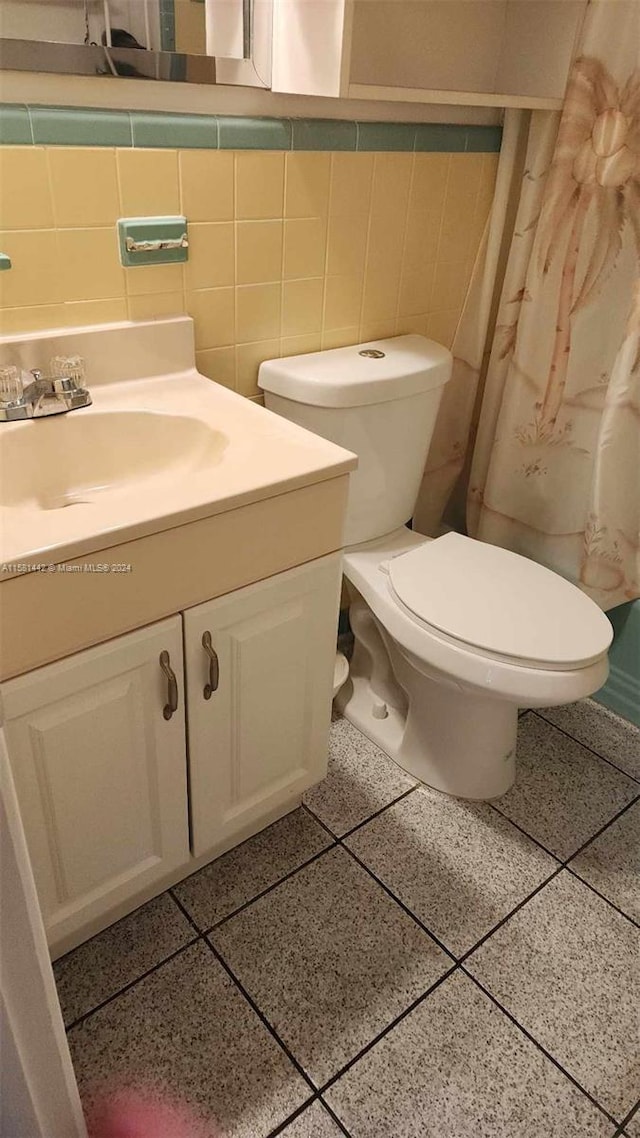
(82, 126)
(174, 131)
(254, 134)
(386, 136)
(15, 125)
(5, 262)
(77, 126)
(484, 139)
(324, 134)
(151, 229)
(621, 693)
(441, 137)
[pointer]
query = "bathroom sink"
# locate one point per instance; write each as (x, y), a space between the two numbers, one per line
(76, 459)
(160, 446)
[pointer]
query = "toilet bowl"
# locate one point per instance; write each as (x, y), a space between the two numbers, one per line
(452, 635)
(441, 695)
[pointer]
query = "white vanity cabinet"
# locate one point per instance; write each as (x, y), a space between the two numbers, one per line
(98, 743)
(259, 697)
(100, 773)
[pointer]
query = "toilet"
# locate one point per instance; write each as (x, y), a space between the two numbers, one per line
(452, 635)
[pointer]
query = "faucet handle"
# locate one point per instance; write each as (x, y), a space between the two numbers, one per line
(11, 385)
(67, 372)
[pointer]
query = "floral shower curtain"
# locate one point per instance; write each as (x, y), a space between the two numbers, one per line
(556, 466)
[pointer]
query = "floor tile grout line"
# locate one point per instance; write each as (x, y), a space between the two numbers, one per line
(185, 912)
(282, 1126)
(338, 1121)
(511, 913)
(365, 821)
(293, 1117)
(132, 983)
(526, 833)
(627, 1118)
(568, 735)
(382, 810)
(401, 905)
(386, 1030)
(262, 1017)
(270, 888)
(316, 818)
(602, 896)
(537, 1043)
(602, 829)
(597, 834)
(425, 928)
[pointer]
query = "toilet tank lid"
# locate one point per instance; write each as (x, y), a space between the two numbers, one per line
(344, 377)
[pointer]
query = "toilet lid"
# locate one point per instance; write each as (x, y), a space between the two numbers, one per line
(499, 602)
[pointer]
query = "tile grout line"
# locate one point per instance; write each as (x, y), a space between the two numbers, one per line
(293, 1117)
(526, 833)
(296, 1114)
(516, 909)
(406, 910)
(566, 863)
(365, 821)
(537, 1044)
(602, 897)
(262, 1017)
(132, 983)
(586, 746)
(628, 1117)
(267, 890)
(316, 818)
(600, 832)
(386, 1030)
(338, 1121)
(185, 912)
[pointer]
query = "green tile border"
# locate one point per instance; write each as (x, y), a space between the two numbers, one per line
(433, 137)
(15, 125)
(324, 134)
(621, 693)
(79, 126)
(174, 131)
(386, 136)
(485, 139)
(236, 133)
(82, 126)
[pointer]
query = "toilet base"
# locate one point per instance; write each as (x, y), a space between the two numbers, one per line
(447, 737)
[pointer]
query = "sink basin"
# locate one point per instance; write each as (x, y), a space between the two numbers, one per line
(78, 458)
(160, 447)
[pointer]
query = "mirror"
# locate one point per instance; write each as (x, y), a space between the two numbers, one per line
(192, 41)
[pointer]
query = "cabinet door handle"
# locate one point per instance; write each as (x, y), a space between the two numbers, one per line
(172, 686)
(214, 667)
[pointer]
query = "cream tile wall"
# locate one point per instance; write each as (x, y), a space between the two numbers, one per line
(289, 251)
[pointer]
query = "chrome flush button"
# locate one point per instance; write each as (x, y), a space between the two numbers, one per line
(372, 354)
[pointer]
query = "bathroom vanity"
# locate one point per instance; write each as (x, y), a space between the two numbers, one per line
(168, 626)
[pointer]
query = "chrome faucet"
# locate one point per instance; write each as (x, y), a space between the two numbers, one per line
(54, 394)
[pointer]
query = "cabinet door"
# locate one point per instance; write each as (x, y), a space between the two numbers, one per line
(100, 774)
(261, 737)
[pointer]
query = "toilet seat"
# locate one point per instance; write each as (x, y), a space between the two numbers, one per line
(520, 681)
(498, 603)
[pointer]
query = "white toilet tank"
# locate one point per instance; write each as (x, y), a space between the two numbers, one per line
(379, 400)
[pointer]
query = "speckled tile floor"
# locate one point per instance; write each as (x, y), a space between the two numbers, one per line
(386, 962)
